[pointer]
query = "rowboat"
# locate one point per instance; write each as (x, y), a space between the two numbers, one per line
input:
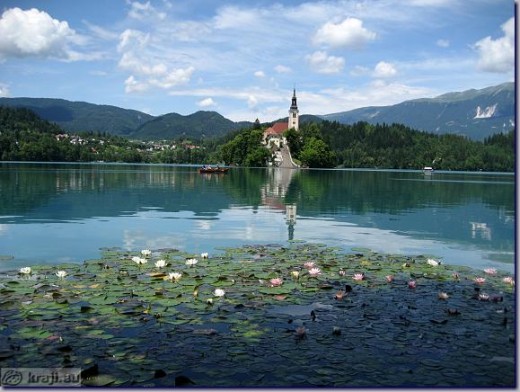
(209, 169)
(428, 170)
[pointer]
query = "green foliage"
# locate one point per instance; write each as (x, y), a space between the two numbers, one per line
(395, 146)
(308, 147)
(245, 149)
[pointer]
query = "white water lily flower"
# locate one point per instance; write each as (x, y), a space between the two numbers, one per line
(25, 270)
(191, 262)
(219, 293)
(295, 274)
(509, 280)
(146, 252)
(433, 263)
(160, 263)
(443, 295)
(61, 274)
(204, 255)
(175, 276)
(139, 260)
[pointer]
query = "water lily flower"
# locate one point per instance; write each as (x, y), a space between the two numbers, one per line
(139, 260)
(209, 301)
(406, 265)
(204, 255)
(191, 262)
(314, 272)
(146, 252)
(301, 332)
(219, 293)
(276, 282)
(174, 276)
(433, 263)
(412, 284)
(309, 265)
(61, 274)
(455, 276)
(25, 270)
(160, 263)
(342, 273)
(295, 274)
(483, 297)
(443, 295)
(490, 271)
(358, 276)
(508, 280)
(479, 280)
(389, 278)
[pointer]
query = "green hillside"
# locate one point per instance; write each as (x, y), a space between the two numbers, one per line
(82, 116)
(199, 125)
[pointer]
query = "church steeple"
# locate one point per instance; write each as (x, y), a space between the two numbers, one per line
(293, 113)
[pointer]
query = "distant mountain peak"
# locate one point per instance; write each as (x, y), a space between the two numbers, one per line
(474, 113)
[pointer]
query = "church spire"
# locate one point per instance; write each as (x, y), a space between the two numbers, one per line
(293, 113)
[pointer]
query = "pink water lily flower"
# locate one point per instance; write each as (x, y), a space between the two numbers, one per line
(479, 280)
(314, 272)
(490, 271)
(276, 282)
(309, 264)
(508, 280)
(358, 276)
(389, 278)
(412, 284)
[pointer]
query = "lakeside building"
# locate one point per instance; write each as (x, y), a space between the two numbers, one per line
(273, 136)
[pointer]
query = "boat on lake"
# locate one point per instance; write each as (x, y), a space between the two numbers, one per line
(210, 169)
(428, 170)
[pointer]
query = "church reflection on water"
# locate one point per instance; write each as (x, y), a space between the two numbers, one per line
(273, 196)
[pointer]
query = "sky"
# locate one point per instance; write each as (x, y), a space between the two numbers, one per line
(244, 58)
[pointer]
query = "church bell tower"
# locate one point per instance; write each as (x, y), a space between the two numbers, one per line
(293, 113)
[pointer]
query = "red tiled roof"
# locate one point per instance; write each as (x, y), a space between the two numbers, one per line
(280, 127)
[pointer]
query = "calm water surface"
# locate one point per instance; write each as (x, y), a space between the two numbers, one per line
(54, 213)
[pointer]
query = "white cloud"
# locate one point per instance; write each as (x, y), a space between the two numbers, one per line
(359, 70)
(34, 33)
(350, 33)
(142, 11)
(321, 62)
(260, 74)
(4, 90)
(443, 43)
(282, 69)
(206, 102)
(384, 70)
(498, 55)
(252, 101)
(138, 59)
(234, 17)
(132, 85)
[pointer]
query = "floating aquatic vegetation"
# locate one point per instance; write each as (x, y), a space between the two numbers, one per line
(231, 321)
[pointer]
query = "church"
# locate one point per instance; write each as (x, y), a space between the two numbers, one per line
(273, 136)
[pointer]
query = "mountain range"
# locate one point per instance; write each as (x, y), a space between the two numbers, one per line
(476, 114)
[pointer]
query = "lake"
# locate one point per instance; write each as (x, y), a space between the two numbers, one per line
(54, 213)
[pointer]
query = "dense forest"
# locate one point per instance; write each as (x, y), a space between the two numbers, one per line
(26, 137)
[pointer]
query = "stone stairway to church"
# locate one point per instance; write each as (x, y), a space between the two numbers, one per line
(286, 160)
